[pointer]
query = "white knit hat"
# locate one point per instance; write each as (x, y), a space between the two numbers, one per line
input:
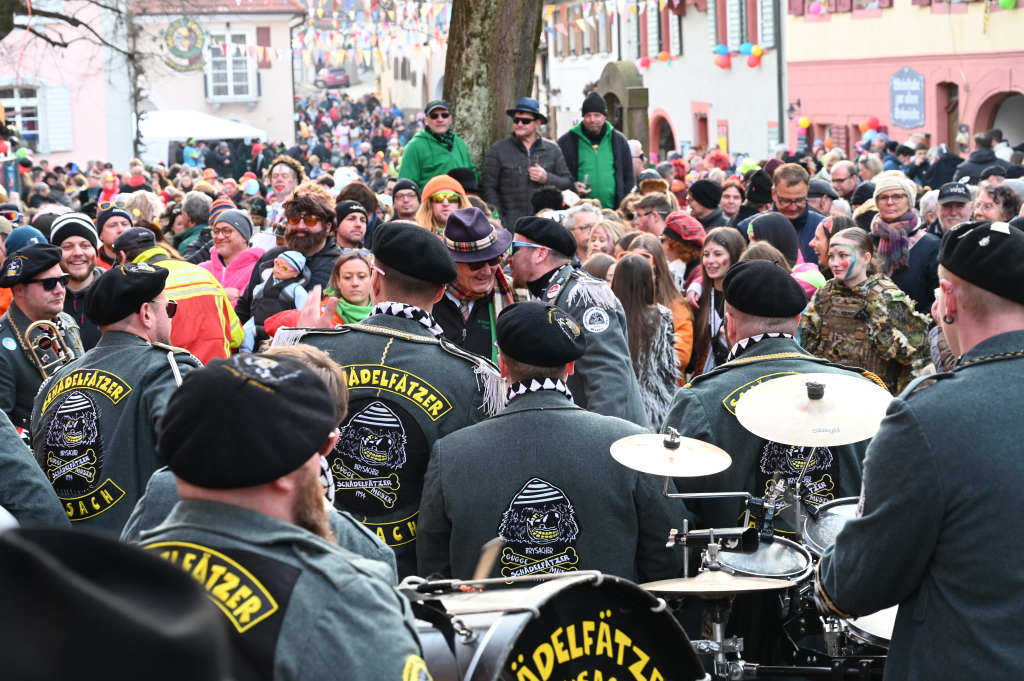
(895, 180)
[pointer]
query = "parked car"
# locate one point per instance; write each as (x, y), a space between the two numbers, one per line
(332, 78)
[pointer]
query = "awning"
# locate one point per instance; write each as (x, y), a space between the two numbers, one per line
(161, 128)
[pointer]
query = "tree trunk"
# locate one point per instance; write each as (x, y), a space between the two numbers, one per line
(492, 51)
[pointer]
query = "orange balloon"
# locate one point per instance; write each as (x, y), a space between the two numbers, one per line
(828, 142)
(664, 56)
(863, 126)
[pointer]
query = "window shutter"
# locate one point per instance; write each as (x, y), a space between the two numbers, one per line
(735, 25)
(653, 30)
(796, 7)
(263, 40)
(767, 17)
(847, 5)
(712, 21)
(57, 124)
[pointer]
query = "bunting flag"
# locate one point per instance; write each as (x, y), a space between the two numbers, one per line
(562, 29)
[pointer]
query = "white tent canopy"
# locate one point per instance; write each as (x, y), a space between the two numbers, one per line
(161, 128)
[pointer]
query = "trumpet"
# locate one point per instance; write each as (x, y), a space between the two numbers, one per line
(51, 339)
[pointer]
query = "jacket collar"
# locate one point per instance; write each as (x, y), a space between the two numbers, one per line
(120, 338)
(1002, 346)
(398, 324)
(542, 399)
(152, 254)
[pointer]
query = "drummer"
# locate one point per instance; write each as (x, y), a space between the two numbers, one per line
(539, 474)
(936, 535)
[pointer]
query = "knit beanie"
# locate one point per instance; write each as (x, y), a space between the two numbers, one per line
(895, 180)
(594, 103)
(295, 258)
(236, 218)
(221, 204)
(707, 193)
(104, 215)
(73, 224)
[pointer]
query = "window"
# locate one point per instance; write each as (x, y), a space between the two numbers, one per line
(231, 76)
(676, 35)
(21, 106)
(653, 29)
(766, 15)
(736, 23)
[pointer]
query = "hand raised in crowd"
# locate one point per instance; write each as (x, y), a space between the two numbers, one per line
(315, 316)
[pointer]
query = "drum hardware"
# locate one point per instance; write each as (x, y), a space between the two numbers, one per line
(417, 588)
(51, 339)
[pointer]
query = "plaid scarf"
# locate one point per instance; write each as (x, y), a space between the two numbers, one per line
(522, 387)
(894, 240)
(501, 286)
(447, 140)
(409, 312)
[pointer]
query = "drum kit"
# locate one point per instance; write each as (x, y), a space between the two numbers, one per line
(594, 627)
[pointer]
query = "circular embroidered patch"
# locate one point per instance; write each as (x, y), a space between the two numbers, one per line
(595, 320)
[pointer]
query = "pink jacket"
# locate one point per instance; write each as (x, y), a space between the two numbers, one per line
(236, 275)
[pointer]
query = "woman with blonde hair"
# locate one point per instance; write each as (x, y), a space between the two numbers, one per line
(442, 195)
(603, 236)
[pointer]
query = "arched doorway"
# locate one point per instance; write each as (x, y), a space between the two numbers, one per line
(621, 84)
(614, 110)
(1003, 110)
(663, 138)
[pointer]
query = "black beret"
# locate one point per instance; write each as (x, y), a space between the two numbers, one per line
(547, 233)
(539, 334)
(989, 255)
(122, 291)
(245, 421)
(26, 263)
(143, 616)
(707, 193)
(993, 170)
(763, 289)
(414, 251)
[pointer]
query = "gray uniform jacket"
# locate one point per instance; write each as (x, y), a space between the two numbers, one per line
(936, 535)
(706, 410)
(162, 494)
(506, 182)
(540, 475)
(94, 426)
(604, 382)
(19, 377)
(297, 607)
(406, 390)
(24, 490)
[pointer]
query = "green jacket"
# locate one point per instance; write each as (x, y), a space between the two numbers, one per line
(24, 490)
(425, 158)
(937, 536)
(705, 409)
(95, 424)
(597, 164)
(19, 377)
(540, 475)
(296, 606)
(185, 239)
(406, 390)
(604, 381)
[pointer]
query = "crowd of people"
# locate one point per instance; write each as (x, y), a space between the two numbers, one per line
(445, 353)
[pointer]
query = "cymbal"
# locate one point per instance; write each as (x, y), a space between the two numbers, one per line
(647, 453)
(850, 410)
(715, 584)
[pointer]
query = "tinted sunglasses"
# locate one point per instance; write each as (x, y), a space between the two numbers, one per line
(108, 205)
(440, 114)
(451, 197)
(50, 283)
(309, 220)
(516, 245)
(477, 266)
(172, 306)
(361, 251)
(522, 121)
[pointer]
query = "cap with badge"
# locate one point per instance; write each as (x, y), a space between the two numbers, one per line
(134, 239)
(547, 233)
(954, 192)
(346, 208)
(236, 449)
(763, 289)
(988, 254)
(73, 224)
(413, 251)
(122, 291)
(539, 334)
(27, 262)
(819, 188)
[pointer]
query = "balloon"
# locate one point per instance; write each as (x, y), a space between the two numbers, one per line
(23, 152)
(873, 123)
(863, 126)
(746, 48)
(828, 143)
(870, 136)
(753, 61)
(723, 61)
(757, 50)
(804, 122)
(640, 64)
(815, 8)
(721, 49)
(801, 132)
(1007, 4)
(645, 62)
(664, 56)
(252, 188)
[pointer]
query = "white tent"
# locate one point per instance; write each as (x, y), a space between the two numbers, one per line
(161, 128)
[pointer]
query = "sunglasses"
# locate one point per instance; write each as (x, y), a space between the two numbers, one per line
(361, 251)
(11, 215)
(650, 258)
(439, 114)
(450, 197)
(477, 266)
(50, 283)
(172, 306)
(516, 245)
(109, 205)
(308, 220)
(522, 121)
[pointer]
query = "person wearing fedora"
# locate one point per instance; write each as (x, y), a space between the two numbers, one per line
(471, 303)
(521, 163)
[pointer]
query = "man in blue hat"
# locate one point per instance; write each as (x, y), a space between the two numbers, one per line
(521, 163)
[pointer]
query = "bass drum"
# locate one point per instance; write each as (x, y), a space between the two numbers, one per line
(820, 533)
(585, 626)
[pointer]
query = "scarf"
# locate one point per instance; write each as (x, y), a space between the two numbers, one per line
(745, 343)
(409, 312)
(894, 239)
(346, 312)
(521, 388)
(501, 286)
(447, 140)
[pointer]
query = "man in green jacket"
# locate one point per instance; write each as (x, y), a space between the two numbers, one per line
(436, 149)
(598, 155)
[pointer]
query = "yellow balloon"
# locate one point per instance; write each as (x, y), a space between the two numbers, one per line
(757, 50)
(804, 122)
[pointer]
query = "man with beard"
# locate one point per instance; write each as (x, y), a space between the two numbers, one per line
(604, 381)
(436, 149)
(406, 199)
(558, 508)
(472, 302)
(310, 221)
(408, 384)
(94, 422)
(252, 527)
(598, 156)
(37, 286)
(76, 236)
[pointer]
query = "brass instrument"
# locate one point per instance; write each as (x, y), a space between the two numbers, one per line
(52, 339)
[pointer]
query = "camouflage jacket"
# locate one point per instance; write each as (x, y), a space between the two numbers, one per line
(872, 326)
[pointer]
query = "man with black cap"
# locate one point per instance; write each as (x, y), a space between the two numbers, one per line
(704, 199)
(37, 286)
(820, 196)
(604, 381)
(435, 149)
(472, 302)
(540, 476)
(94, 424)
(598, 155)
(956, 205)
(405, 197)
(351, 217)
(112, 220)
(408, 386)
(520, 164)
(252, 528)
(76, 236)
(931, 501)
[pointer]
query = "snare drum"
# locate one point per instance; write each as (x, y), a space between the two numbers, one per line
(780, 558)
(583, 626)
(820, 533)
(873, 629)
